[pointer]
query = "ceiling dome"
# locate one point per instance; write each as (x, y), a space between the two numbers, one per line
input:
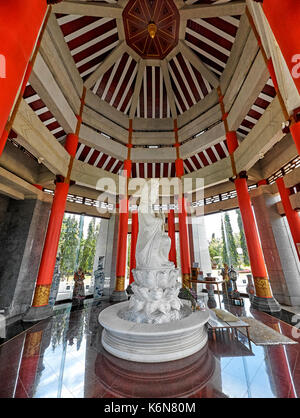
(150, 78)
(160, 15)
(153, 81)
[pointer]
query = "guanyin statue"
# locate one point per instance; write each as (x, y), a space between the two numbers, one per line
(153, 244)
(156, 287)
(154, 326)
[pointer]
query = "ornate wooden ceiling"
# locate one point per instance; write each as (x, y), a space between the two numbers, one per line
(143, 90)
(92, 40)
(137, 16)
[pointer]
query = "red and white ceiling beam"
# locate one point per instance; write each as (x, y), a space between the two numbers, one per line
(18, 22)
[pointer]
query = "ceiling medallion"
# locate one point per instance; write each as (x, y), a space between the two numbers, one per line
(151, 27)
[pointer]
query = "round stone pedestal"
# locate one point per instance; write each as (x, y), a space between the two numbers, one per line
(152, 343)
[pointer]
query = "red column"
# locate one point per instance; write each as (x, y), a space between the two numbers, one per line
(171, 232)
(20, 23)
(284, 17)
(258, 267)
(134, 237)
(44, 280)
(280, 366)
(47, 265)
(122, 236)
(29, 365)
(184, 241)
(183, 232)
(292, 216)
(257, 261)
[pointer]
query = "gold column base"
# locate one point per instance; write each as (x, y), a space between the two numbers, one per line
(41, 296)
(262, 287)
(120, 284)
(33, 344)
(186, 281)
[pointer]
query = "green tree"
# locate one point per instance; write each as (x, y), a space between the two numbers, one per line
(67, 245)
(243, 239)
(215, 250)
(230, 241)
(88, 248)
(229, 250)
(225, 259)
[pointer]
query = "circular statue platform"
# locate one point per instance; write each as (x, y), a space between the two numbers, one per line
(152, 343)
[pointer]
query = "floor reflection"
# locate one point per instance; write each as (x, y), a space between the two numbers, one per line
(63, 358)
(183, 378)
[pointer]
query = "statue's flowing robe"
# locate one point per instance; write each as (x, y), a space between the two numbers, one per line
(147, 248)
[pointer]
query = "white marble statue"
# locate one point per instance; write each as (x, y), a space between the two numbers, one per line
(153, 244)
(154, 325)
(156, 286)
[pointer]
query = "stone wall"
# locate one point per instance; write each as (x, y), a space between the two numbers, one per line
(199, 244)
(23, 225)
(107, 246)
(280, 257)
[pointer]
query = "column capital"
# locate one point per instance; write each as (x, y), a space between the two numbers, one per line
(59, 179)
(296, 114)
(243, 175)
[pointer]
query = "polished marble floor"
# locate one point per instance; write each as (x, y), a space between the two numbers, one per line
(63, 358)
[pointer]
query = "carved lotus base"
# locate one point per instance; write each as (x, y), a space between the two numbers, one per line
(164, 278)
(152, 343)
(155, 297)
